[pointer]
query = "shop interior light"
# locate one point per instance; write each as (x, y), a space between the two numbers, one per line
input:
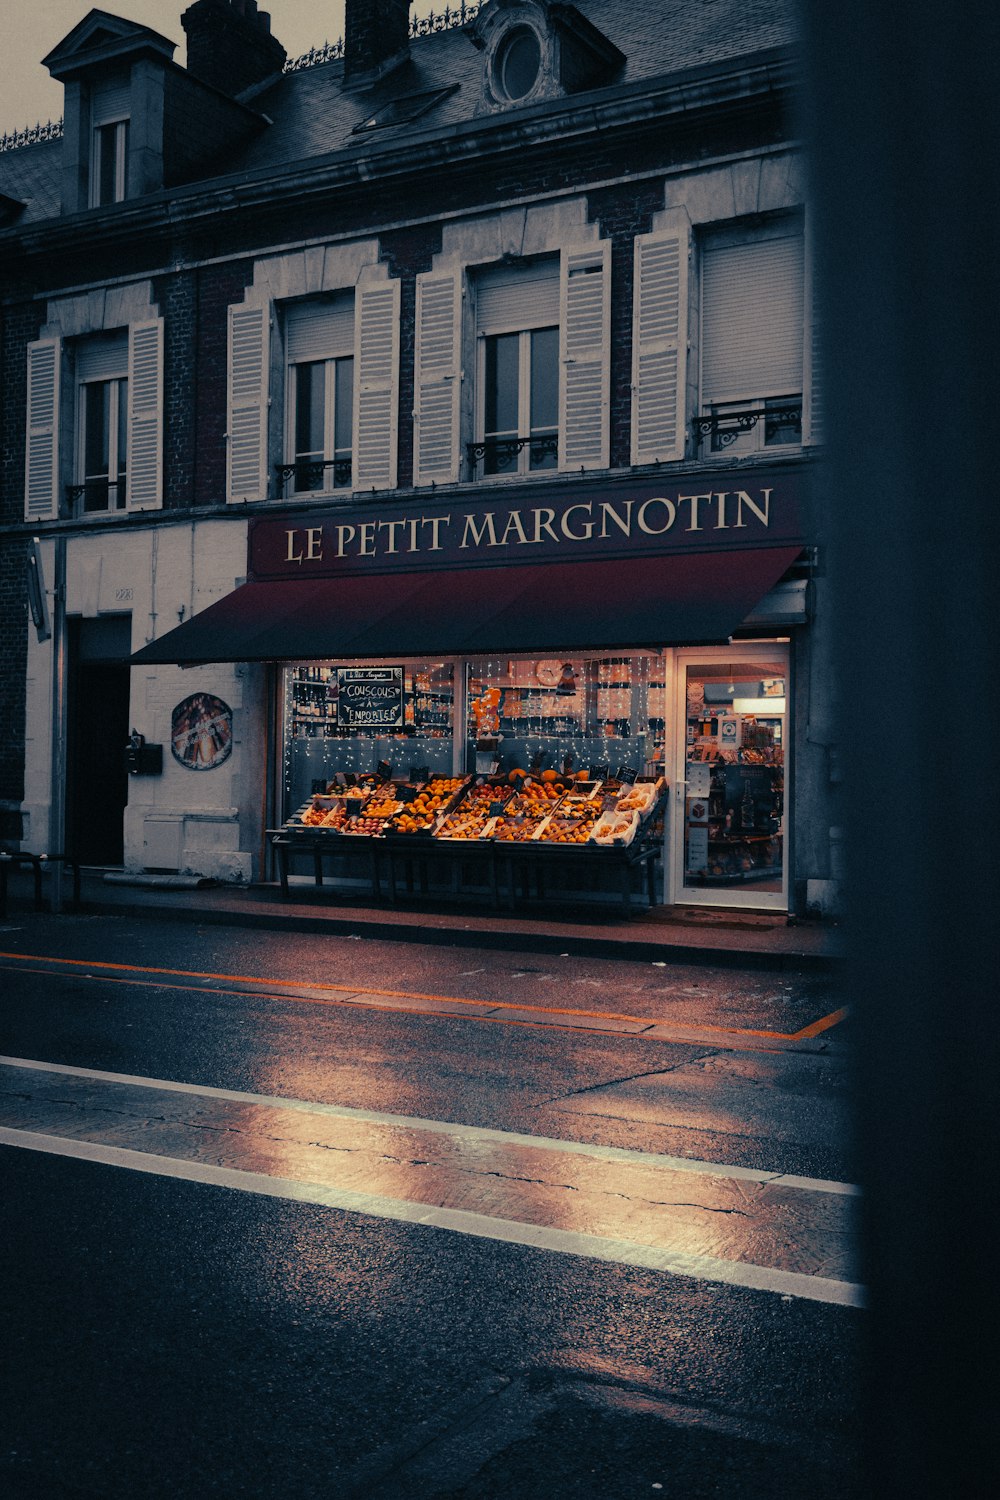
(761, 708)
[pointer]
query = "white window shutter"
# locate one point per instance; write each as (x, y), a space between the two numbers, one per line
(249, 365)
(812, 354)
(376, 385)
(585, 357)
(659, 346)
(41, 464)
(438, 377)
(144, 452)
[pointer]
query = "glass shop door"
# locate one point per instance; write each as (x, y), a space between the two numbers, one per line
(729, 812)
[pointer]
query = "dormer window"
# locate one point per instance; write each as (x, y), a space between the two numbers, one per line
(518, 63)
(107, 182)
(535, 50)
(109, 144)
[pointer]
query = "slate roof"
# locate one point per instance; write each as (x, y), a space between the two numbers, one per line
(313, 117)
(30, 175)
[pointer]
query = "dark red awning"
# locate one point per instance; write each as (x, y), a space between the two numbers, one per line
(683, 599)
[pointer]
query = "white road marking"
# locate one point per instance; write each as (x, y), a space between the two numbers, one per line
(446, 1127)
(459, 1221)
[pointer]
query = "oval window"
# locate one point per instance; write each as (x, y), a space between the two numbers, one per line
(519, 62)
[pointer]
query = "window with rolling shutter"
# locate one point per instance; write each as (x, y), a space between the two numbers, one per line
(517, 359)
(319, 349)
(110, 106)
(752, 338)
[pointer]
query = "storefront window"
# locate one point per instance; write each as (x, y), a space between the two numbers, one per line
(734, 828)
(567, 712)
(350, 717)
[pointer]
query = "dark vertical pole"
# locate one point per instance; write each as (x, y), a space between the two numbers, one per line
(57, 805)
(901, 105)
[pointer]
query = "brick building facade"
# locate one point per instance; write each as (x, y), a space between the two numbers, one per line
(416, 227)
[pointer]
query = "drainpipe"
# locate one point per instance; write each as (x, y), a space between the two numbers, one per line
(57, 806)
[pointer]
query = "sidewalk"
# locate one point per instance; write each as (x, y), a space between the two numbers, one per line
(730, 939)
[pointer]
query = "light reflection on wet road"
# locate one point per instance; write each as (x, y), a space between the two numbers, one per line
(688, 1208)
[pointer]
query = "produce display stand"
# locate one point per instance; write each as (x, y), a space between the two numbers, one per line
(321, 845)
(614, 863)
(401, 864)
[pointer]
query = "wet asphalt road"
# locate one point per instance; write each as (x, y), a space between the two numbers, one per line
(173, 1338)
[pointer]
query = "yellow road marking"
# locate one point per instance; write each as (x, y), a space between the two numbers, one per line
(824, 1024)
(807, 1032)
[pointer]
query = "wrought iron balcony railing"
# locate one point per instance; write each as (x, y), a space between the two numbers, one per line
(313, 476)
(724, 427)
(496, 455)
(95, 495)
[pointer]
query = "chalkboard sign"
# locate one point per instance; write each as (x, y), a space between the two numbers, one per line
(370, 697)
(384, 770)
(420, 773)
(626, 773)
(600, 771)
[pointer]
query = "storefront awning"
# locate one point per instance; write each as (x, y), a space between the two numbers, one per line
(682, 599)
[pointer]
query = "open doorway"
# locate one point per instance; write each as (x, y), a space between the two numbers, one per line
(97, 730)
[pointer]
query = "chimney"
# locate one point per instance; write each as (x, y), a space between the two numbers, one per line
(229, 44)
(376, 38)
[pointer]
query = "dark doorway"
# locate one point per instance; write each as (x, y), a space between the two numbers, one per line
(97, 730)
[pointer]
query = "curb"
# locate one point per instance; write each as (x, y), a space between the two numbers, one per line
(622, 949)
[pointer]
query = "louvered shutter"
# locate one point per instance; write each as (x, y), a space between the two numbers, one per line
(376, 368)
(438, 377)
(812, 374)
(41, 466)
(751, 326)
(249, 359)
(144, 454)
(659, 347)
(584, 337)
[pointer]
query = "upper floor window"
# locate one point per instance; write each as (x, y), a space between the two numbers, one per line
(751, 338)
(109, 108)
(512, 365)
(319, 346)
(107, 183)
(517, 328)
(334, 427)
(102, 424)
(94, 439)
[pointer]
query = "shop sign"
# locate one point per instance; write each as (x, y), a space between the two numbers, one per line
(699, 513)
(370, 697)
(201, 732)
